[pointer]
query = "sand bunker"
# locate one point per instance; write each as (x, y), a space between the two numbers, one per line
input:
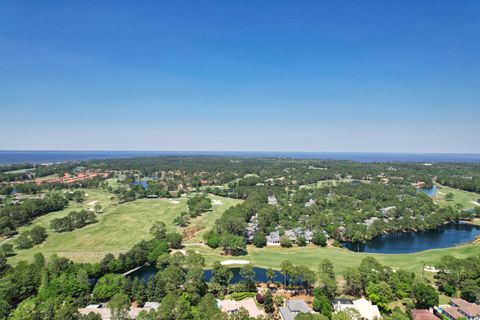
(174, 201)
(217, 202)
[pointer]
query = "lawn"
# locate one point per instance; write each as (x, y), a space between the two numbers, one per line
(118, 228)
(465, 198)
(310, 256)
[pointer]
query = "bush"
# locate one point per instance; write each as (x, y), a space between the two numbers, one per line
(285, 242)
(242, 295)
(259, 298)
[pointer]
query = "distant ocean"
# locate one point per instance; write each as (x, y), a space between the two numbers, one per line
(35, 157)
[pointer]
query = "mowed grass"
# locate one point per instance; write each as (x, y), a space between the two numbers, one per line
(465, 198)
(310, 256)
(117, 230)
(207, 219)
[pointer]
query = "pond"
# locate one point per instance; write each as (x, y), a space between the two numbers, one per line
(429, 191)
(446, 236)
(147, 272)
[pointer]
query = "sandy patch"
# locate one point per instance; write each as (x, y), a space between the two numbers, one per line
(91, 203)
(174, 201)
(431, 269)
(475, 203)
(217, 202)
(441, 193)
(230, 262)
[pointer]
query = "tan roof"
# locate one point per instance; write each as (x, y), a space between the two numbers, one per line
(423, 315)
(469, 308)
(248, 304)
(453, 312)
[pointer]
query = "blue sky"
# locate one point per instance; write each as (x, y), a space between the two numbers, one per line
(379, 76)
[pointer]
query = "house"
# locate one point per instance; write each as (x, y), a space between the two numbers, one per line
(232, 306)
(460, 308)
(309, 203)
(423, 314)
(272, 200)
(292, 308)
(366, 309)
(106, 314)
(252, 228)
(273, 239)
(386, 210)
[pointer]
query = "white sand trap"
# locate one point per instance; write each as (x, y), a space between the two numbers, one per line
(441, 193)
(217, 202)
(86, 194)
(431, 269)
(174, 201)
(475, 203)
(91, 203)
(229, 262)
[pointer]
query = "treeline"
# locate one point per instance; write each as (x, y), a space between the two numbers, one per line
(460, 277)
(13, 216)
(74, 220)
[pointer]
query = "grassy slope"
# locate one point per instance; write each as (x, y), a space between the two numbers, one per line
(117, 229)
(460, 196)
(310, 256)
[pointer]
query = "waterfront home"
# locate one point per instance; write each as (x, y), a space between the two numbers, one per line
(459, 309)
(231, 307)
(106, 314)
(292, 308)
(366, 309)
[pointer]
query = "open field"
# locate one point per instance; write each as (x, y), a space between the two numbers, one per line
(310, 256)
(117, 229)
(465, 198)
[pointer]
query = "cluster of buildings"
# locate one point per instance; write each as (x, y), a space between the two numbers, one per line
(459, 309)
(106, 313)
(273, 239)
(68, 178)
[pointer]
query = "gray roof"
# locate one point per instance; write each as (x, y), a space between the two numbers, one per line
(298, 306)
(286, 313)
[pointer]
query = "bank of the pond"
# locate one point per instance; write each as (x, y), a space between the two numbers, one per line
(448, 235)
(147, 272)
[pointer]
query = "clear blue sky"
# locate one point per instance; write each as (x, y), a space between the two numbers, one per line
(385, 76)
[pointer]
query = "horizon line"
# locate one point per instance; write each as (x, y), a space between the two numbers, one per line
(237, 151)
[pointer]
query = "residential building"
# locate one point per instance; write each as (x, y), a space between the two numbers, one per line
(292, 308)
(232, 306)
(106, 314)
(423, 314)
(459, 308)
(366, 309)
(273, 239)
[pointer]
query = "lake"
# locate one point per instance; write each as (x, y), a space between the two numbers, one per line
(448, 235)
(147, 272)
(429, 191)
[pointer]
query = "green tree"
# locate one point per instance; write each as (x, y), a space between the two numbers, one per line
(109, 285)
(270, 275)
(119, 305)
(424, 296)
(259, 240)
(268, 302)
(248, 277)
(287, 269)
(158, 230)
